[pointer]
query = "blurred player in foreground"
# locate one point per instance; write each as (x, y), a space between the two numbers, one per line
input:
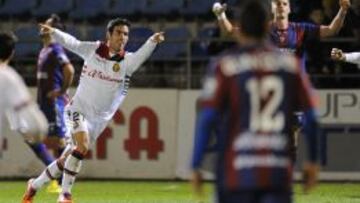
(255, 88)
(15, 101)
(291, 37)
(103, 86)
(339, 55)
(54, 74)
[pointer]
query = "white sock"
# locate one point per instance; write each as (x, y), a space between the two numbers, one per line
(71, 169)
(51, 172)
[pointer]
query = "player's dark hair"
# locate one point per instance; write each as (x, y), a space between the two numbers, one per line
(116, 22)
(253, 17)
(56, 22)
(7, 45)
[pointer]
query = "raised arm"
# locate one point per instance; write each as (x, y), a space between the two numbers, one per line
(139, 57)
(83, 49)
(224, 23)
(337, 22)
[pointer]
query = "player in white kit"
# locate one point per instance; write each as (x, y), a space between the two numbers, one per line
(15, 102)
(339, 55)
(103, 86)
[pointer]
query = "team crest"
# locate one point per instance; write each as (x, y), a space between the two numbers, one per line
(116, 67)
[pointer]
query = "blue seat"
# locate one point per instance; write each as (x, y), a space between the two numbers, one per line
(199, 47)
(96, 33)
(17, 7)
(163, 7)
(140, 33)
(197, 8)
(27, 49)
(138, 36)
(47, 7)
(29, 41)
(175, 45)
(86, 9)
(207, 32)
(232, 2)
(74, 31)
(28, 33)
(127, 7)
(181, 32)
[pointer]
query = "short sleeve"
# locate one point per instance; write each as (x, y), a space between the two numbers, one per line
(60, 55)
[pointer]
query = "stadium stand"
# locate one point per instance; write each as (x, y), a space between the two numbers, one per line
(176, 46)
(138, 35)
(48, 7)
(193, 8)
(127, 8)
(29, 41)
(13, 8)
(163, 7)
(89, 9)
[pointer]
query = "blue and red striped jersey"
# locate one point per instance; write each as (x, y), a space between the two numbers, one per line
(294, 37)
(50, 70)
(257, 89)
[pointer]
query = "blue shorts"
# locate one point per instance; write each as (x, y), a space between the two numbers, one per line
(54, 113)
(255, 196)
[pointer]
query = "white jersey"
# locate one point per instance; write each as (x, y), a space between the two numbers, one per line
(104, 82)
(353, 58)
(14, 94)
(16, 105)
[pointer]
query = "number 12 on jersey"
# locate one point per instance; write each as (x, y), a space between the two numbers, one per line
(268, 118)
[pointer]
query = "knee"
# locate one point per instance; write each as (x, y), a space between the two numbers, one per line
(83, 148)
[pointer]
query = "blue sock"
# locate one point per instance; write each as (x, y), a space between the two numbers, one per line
(42, 153)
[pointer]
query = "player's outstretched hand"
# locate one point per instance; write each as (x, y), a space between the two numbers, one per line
(46, 29)
(337, 54)
(344, 4)
(219, 9)
(158, 37)
(310, 176)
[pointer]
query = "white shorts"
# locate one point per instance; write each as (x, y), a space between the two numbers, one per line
(77, 122)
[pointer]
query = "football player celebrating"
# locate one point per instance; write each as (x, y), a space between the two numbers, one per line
(103, 87)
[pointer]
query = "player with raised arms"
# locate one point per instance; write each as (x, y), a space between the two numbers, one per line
(103, 87)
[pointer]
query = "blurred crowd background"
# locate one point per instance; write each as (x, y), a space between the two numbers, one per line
(192, 36)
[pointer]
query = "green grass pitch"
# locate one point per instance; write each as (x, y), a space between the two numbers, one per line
(165, 192)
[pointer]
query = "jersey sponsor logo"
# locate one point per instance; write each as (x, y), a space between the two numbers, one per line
(99, 75)
(116, 67)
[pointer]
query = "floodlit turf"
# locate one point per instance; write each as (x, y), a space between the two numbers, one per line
(165, 192)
